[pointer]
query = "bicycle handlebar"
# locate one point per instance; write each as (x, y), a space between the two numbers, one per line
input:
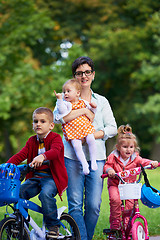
(26, 168)
(46, 162)
(128, 173)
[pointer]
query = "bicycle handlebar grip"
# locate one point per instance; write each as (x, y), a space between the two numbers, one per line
(46, 162)
(105, 175)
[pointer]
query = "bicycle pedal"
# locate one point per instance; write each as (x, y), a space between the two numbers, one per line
(52, 238)
(108, 231)
(14, 232)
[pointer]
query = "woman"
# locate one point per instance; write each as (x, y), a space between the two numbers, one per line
(82, 188)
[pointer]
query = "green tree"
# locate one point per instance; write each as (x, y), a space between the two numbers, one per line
(23, 78)
(126, 49)
(122, 37)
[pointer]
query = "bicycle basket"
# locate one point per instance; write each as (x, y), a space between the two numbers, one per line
(9, 171)
(9, 191)
(9, 183)
(130, 191)
(150, 196)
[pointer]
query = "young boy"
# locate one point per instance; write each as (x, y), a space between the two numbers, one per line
(46, 180)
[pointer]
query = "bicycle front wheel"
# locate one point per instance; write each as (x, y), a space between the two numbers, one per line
(68, 229)
(9, 229)
(138, 232)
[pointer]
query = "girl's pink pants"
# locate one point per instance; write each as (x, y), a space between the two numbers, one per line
(115, 206)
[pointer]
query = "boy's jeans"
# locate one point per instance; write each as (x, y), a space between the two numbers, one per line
(93, 184)
(48, 190)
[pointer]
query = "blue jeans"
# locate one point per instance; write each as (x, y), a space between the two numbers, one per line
(48, 190)
(87, 189)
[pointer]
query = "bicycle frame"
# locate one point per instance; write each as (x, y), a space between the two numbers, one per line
(22, 205)
(133, 215)
(138, 215)
(68, 226)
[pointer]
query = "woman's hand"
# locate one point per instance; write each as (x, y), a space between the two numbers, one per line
(93, 105)
(99, 134)
(89, 114)
(77, 113)
(83, 140)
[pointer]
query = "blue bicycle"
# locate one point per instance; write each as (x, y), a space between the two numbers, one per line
(19, 224)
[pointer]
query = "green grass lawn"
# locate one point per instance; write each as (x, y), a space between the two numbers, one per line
(152, 215)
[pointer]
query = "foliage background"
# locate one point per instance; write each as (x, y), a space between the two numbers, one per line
(41, 38)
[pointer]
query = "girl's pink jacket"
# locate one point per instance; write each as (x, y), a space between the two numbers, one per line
(113, 162)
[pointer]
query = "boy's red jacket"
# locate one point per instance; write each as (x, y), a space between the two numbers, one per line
(54, 153)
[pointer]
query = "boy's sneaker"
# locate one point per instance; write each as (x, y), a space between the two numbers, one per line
(53, 233)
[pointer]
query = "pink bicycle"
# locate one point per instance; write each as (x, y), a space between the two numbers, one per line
(137, 227)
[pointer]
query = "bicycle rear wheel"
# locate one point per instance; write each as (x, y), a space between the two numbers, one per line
(68, 229)
(9, 229)
(138, 232)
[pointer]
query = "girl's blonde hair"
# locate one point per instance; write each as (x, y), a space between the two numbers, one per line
(125, 133)
(74, 82)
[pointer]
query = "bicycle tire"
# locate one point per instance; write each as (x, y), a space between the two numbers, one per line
(138, 232)
(71, 230)
(9, 230)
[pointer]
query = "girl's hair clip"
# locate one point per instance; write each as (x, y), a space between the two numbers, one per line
(125, 129)
(128, 133)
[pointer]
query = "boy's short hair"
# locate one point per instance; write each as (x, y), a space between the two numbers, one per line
(74, 82)
(46, 111)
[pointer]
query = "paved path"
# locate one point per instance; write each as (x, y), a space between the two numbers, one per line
(154, 238)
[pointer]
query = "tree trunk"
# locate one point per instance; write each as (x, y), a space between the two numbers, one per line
(155, 152)
(8, 147)
(110, 145)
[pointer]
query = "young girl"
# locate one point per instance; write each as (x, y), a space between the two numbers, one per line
(79, 128)
(125, 156)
